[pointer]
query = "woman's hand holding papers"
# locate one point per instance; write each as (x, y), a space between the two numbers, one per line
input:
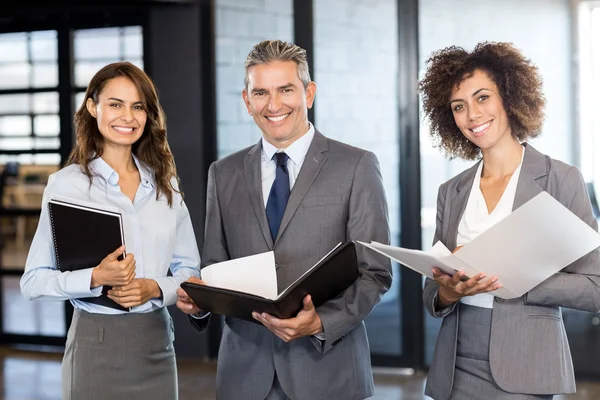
(453, 288)
(113, 272)
(184, 302)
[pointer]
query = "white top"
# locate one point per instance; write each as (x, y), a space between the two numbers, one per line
(476, 220)
(296, 153)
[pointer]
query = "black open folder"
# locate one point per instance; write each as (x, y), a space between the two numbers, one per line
(84, 234)
(324, 281)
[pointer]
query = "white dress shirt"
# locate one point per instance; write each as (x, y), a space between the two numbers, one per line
(296, 153)
(476, 220)
(159, 236)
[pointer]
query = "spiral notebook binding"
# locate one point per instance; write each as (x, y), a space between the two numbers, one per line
(56, 259)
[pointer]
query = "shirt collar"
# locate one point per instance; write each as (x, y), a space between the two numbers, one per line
(100, 166)
(296, 151)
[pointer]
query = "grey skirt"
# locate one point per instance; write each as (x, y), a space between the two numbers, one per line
(126, 356)
(472, 374)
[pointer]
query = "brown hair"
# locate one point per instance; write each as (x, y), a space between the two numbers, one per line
(517, 79)
(152, 148)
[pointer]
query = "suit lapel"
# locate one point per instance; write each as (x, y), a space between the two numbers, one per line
(531, 181)
(313, 162)
(458, 204)
(252, 164)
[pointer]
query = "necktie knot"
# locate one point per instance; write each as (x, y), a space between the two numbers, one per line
(281, 159)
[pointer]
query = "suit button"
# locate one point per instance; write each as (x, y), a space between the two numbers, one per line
(499, 300)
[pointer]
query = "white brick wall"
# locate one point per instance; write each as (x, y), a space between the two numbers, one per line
(356, 71)
(239, 26)
(541, 30)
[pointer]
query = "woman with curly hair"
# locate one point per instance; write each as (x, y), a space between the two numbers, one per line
(120, 348)
(486, 104)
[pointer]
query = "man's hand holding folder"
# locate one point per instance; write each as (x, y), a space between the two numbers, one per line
(306, 323)
(247, 288)
(184, 302)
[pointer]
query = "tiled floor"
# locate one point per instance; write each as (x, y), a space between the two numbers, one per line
(36, 376)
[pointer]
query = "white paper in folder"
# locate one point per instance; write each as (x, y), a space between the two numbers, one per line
(534, 242)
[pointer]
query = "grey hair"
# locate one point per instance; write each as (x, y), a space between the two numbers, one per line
(277, 50)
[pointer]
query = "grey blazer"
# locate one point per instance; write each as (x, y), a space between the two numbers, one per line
(338, 196)
(529, 352)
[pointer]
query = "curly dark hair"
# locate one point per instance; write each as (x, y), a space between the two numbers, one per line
(152, 148)
(516, 77)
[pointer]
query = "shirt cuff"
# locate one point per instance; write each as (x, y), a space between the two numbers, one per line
(168, 286)
(77, 284)
(200, 315)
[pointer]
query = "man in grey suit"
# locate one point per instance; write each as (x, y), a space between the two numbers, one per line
(299, 194)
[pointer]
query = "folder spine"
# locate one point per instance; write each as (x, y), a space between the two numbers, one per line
(56, 259)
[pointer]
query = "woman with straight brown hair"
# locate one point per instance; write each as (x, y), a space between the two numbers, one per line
(121, 160)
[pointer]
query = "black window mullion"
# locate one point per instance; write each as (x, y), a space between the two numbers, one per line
(65, 91)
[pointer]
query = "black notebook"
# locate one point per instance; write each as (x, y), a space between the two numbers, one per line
(324, 281)
(84, 234)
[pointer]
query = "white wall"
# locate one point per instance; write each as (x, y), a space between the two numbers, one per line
(239, 26)
(541, 29)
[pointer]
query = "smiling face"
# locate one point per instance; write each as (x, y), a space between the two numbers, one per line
(119, 112)
(278, 101)
(478, 111)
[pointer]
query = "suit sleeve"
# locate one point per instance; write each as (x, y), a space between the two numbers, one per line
(215, 247)
(430, 290)
(367, 220)
(578, 285)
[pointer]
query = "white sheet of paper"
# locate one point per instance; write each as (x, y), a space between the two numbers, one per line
(528, 246)
(254, 274)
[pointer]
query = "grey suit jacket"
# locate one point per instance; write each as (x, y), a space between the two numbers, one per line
(338, 196)
(529, 352)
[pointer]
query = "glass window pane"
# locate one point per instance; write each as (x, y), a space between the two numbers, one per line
(79, 100)
(21, 143)
(133, 42)
(45, 102)
(13, 47)
(345, 112)
(50, 159)
(21, 316)
(44, 46)
(14, 103)
(47, 143)
(45, 75)
(45, 159)
(137, 62)
(46, 125)
(84, 71)
(15, 126)
(93, 44)
(14, 75)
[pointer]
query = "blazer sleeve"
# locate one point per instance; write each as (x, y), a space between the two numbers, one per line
(578, 285)
(367, 220)
(215, 247)
(430, 290)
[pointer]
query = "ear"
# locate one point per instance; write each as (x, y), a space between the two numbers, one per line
(91, 107)
(246, 101)
(311, 91)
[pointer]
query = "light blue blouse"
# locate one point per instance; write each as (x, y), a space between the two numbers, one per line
(160, 238)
